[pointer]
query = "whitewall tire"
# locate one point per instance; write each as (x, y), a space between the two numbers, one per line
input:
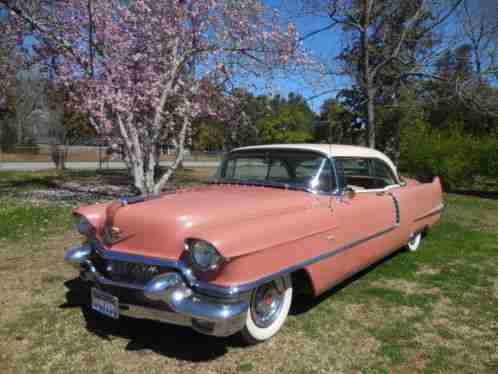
(414, 242)
(268, 309)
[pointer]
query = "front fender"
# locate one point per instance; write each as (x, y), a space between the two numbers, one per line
(268, 246)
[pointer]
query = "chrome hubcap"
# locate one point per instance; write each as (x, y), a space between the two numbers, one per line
(413, 242)
(266, 304)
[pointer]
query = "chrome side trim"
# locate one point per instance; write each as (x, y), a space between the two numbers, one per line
(221, 291)
(396, 207)
(431, 213)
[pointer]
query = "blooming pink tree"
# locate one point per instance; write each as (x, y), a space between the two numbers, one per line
(145, 69)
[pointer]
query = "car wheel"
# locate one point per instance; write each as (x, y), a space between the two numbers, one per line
(414, 242)
(268, 310)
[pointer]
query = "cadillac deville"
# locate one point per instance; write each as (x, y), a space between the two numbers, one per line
(227, 257)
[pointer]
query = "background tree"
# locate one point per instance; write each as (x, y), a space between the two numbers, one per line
(29, 103)
(394, 39)
(385, 44)
(288, 121)
(236, 127)
(336, 123)
(242, 126)
(66, 124)
(209, 136)
(479, 33)
(442, 104)
(257, 120)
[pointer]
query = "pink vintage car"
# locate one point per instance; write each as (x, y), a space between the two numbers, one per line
(227, 257)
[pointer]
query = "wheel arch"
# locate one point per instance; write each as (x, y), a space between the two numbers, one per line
(302, 282)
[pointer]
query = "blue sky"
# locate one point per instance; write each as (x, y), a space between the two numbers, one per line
(321, 46)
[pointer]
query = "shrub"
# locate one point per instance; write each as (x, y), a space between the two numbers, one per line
(453, 156)
(488, 158)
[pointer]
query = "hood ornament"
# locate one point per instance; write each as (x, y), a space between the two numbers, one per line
(112, 234)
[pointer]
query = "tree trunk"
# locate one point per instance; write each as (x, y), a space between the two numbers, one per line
(143, 164)
(62, 160)
(59, 156)
(397, 130)
(19, 133)
(397, 145)
(368, 78)
(138, 156)
(370, 133)
(179, 157)
(180, 164)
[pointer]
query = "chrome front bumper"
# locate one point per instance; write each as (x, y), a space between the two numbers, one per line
(167, 298)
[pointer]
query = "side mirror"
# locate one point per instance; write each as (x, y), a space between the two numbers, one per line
(350, 193)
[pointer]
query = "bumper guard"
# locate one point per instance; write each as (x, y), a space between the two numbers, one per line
(180, 305)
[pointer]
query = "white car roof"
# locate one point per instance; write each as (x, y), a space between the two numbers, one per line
(329, 150)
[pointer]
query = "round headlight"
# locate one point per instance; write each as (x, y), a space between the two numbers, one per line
(83, 225)
(204, 256)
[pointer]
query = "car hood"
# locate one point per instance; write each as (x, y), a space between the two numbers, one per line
(159, 227)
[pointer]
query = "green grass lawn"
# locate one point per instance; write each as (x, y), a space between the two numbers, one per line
(433, 311)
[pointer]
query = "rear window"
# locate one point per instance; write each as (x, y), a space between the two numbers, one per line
(365, 173)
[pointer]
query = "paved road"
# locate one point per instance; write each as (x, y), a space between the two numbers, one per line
(27, 166)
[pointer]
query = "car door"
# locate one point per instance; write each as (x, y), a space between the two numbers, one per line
(382, 210)
(367, 220)
(369, 214)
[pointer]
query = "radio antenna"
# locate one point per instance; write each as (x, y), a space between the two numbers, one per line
(329, 125)
(332, 175)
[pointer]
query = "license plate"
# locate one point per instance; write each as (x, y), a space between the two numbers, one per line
(105, 303)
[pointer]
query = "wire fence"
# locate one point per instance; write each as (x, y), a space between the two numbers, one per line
(97, 154)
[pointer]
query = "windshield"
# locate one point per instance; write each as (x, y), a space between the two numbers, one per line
(278, 168)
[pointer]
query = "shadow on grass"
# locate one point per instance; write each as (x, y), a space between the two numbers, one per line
(305, 302)
(81, 183)
(109, 176)
(168, 340)
(78, 180)
(37, 182)
(175, 341)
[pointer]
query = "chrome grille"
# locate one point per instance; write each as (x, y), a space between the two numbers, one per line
(126, 272)
(131, 272)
